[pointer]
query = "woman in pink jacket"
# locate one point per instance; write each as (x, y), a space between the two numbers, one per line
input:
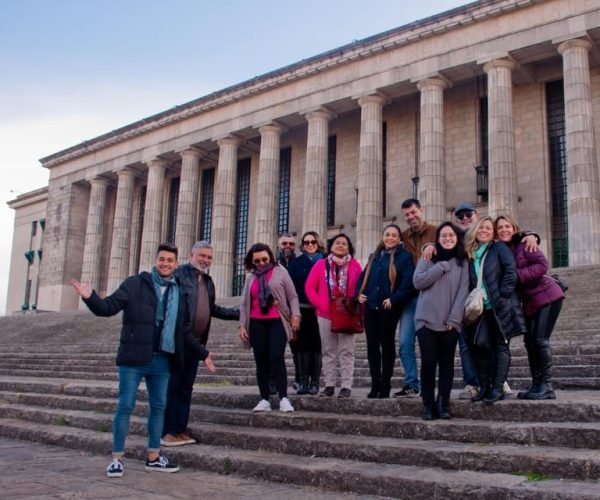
(334, 276)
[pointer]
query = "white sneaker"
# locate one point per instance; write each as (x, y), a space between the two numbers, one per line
(263, 405)
(285, 405)
(115, 469)
(470, 392)
(506, 388)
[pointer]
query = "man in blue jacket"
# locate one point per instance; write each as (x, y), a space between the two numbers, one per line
(155, 329)
(199, 290)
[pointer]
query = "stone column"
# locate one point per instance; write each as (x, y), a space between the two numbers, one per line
(153, 212)
(314, 217)
(502, 168)
(223, 223)
(118, 268)
(90, 271)
(265, 222)
(187, 208)
(370, 176)
(432, 175)
(582, 172)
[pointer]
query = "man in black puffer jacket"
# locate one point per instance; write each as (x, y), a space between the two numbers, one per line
(155, 334)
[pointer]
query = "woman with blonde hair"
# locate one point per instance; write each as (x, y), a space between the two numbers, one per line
(493, 263)
(542, 301)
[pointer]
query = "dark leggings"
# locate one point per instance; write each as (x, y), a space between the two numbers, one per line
(268, 339)
(493, 360)
(309, 339)
(541, 324)
(437, 349)
(380, 329)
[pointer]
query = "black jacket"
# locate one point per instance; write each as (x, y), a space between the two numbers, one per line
(189, 285)
(500, 279)
(137, 299)
(299, 268)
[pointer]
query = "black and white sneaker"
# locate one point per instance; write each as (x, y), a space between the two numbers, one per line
(115, 469)
(161, 464)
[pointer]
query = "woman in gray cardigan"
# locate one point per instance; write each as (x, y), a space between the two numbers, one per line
(443, 283)
(269, 316)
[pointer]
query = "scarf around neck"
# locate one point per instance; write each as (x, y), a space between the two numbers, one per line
(338, 277)
(265, 296)
(167, 307)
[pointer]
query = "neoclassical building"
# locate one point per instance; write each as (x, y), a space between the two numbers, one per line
(495, 103)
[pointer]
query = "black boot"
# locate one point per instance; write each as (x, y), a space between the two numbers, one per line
(385, 388)
(295, 356)
(502, 367)
(533, 369)
(443, 408)
(315, 373)
(427, 413)
(544, 389)
(302, 364)
(484, 374)
(375, 385)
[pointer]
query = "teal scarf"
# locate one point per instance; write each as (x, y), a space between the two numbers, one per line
(167, 308)
(478, 255)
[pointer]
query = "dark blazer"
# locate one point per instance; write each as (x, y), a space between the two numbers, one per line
(500, 279)
(299, 269)
(137, 299)
(189, 284)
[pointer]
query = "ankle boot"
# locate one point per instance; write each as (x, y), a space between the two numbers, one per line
(443, 408)
(533, 369)
(302, 363)
(482, 365)
(427, 413)
(502, 367)
(375, 385)
(385, 388)
(544, 389)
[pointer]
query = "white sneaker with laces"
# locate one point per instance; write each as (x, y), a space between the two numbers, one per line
(506, 388)
(115, 469)
(285, 405)
(263, 405)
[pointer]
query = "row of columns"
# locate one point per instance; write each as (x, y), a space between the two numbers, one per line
(583, 187)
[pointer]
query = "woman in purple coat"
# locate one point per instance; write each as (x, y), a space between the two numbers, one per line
(542, 300)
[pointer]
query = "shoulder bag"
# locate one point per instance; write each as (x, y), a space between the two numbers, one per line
(474, 302)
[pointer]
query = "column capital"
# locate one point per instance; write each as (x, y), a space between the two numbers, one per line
(99, 180)
(156, 163)
(573, 43)
(192, 152)
(377, 98)
(320, 112)
(125, 172)
(229, 140)
(272, 127)
(498, 63)
(433, 82)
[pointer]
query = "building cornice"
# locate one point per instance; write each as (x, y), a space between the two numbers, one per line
(29, 198)
(388, 40)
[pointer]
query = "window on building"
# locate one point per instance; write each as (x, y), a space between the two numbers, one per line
(34, 228)
(25, 305)
(206, 206)
(285, 166)
(172, 213)
(241, 223)
(555, 109)
(331, 159)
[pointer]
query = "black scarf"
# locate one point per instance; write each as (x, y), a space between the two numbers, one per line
(443, 254)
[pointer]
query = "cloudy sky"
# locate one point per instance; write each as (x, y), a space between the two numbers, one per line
(71, 70)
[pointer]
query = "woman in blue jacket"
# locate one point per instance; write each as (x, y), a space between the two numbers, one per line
(384, 287)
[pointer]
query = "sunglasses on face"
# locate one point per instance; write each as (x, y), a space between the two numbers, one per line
(264, 260)
(464, 215)
(309, 242)
(288, 244)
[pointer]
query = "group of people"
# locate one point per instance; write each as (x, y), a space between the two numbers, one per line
(415, 282)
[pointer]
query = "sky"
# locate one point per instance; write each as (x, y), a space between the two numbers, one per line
(71, 70)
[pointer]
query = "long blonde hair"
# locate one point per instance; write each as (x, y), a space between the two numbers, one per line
(471, 243)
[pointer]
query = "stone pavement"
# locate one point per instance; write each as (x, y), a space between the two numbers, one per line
(40, 471)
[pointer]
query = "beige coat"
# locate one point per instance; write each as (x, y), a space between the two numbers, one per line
(283, 291)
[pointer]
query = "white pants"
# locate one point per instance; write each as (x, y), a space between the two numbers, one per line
(336, 346)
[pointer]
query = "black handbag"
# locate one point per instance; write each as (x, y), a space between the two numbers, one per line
(563, 286)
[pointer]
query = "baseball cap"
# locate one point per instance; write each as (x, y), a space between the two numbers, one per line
(463, 207)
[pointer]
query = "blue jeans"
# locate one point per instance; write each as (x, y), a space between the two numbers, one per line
(407, 336)
(466, 361)
(157, 376)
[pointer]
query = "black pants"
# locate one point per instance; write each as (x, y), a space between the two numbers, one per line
(380, 329)
(179, 396)
(537, 341)
(309, 339)
(492, 360)
(437, 351)
(268, 339)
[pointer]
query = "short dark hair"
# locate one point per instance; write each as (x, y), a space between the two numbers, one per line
(409, 202)
(167, 247)
(257, 247)
(341, 235)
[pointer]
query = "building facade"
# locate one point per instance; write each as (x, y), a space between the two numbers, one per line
(495, 103)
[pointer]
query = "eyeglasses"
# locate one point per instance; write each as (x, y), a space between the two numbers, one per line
(464, 215)
(309, 242)
(264, 260)
(288, 244)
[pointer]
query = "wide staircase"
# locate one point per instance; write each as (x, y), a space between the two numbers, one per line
(58, 386)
